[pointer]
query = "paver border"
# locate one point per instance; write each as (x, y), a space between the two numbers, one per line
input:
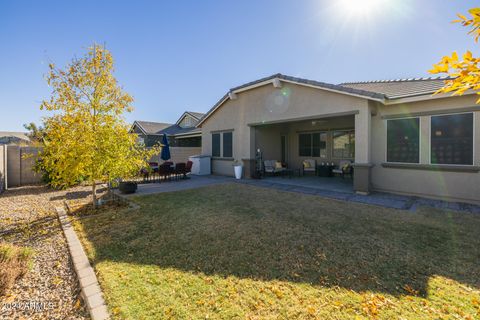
(89, 286)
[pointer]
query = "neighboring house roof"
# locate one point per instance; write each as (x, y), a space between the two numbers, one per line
(382, 91)
(151, 128)
(195, 115)
(7, 137)
(400, 88)
(157, 128)
(176, 130)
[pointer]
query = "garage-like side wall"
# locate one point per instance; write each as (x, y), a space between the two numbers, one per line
(269, 105)
(455, 185)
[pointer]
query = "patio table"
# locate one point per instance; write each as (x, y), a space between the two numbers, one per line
(325, 170)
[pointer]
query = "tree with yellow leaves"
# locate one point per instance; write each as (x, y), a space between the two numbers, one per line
(465, 72)
(87, 138)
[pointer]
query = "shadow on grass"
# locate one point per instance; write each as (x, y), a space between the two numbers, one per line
(248, 232)
(78, 194)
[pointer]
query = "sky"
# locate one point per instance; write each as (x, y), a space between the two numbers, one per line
(173, 56)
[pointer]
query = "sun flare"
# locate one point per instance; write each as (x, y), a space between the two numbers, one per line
(362, 8)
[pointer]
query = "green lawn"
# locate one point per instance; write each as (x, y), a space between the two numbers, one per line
(240, 252)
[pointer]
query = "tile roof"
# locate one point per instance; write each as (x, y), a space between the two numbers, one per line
(360, 92)
(400, 88)
(177, 130)
(152, 127)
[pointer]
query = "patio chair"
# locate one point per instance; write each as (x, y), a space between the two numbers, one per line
(273, 167)
(153, 166)
(180, 169)
(344, 168)
(309, 166)
(165, 171)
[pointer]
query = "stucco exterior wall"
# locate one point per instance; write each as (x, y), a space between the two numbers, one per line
(270, 105)
(259, 116)
(449, 185)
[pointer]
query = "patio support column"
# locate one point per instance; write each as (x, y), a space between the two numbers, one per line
(249, 161)
(363, 165)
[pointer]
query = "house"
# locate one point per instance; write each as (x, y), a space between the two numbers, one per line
(149, 132)
(183, 133)
(401, 138)
(14, 138)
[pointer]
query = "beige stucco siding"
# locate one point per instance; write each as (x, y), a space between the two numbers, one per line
(259, 116)
(456, 186)
(270, 105)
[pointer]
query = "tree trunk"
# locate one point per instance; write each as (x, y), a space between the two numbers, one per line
(94, 194)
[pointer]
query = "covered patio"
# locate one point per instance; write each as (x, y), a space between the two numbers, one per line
(322, 141)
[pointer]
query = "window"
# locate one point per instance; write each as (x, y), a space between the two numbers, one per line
(227, 144)
(452, 139)
(189, 142)
(312, 144)
(216, 145)
(403, 140)
(343, 144)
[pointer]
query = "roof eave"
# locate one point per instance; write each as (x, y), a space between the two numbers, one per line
(422, 97)
(135, 123)
(269, 80)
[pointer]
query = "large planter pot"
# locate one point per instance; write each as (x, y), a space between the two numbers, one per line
(238, 171)
(127, 187)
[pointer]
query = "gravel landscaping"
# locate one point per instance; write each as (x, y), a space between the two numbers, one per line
(50, 289)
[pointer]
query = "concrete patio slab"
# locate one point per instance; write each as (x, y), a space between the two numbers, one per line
(192, 182)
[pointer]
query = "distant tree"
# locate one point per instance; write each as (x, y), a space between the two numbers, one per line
(87, 138)
(465, 72)
(35, 133)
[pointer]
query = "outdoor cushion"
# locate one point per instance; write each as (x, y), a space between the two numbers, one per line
(278, 165)
(306, 164)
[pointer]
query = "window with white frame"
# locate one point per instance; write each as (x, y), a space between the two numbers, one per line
(451, 139)
(403, 140)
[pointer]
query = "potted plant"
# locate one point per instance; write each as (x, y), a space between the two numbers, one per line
(238, 167)
(127, 187)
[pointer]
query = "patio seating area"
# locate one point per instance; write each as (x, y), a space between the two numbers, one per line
(165, 172)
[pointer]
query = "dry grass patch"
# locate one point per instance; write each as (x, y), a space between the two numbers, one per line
(241, 252)
(14, 263)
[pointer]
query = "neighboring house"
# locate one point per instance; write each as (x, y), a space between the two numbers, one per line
(14, 138)
(401, 138)
(149, 132)
(184, 132)
(181, 134)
